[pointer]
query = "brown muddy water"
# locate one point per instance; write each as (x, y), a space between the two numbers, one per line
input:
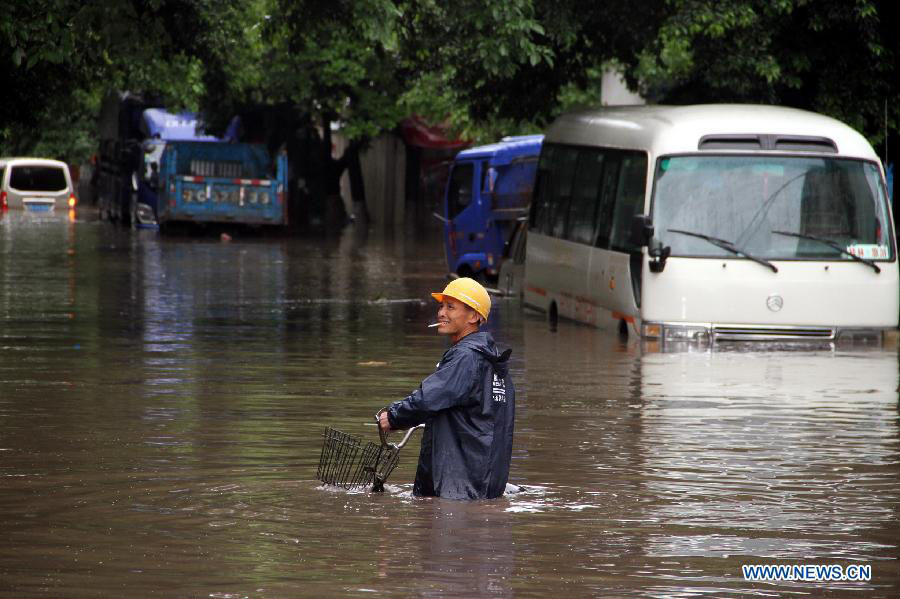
(162, 403)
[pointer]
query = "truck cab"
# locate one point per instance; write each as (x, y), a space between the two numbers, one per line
(488, 192)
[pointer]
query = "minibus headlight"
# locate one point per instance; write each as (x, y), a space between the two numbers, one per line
(652, 330)
(694, 334)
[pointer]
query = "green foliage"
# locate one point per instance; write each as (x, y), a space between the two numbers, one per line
(484, 69)
(830, 56)
(61, 56)
(455, 52)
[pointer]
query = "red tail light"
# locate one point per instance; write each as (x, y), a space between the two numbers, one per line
(3, 205)
(72, 201)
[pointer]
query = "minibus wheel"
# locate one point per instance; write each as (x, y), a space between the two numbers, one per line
(553, 316)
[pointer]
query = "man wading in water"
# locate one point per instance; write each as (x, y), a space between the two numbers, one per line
(467, 404)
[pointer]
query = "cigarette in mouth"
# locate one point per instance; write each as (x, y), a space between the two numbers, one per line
(433, 325)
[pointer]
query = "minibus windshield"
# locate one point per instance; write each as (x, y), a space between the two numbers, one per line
(772, 207)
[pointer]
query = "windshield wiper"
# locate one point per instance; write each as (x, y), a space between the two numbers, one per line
(833, 245)
(727, 245)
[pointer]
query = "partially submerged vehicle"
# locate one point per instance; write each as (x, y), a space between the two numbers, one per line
(158, 167)
(710, 223)
(488, 192)
(36, 184)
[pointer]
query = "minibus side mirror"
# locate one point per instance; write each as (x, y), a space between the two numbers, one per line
(658, 255)
(642, 235)
(641, 230)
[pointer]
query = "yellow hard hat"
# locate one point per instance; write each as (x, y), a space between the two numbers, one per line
(468, 291)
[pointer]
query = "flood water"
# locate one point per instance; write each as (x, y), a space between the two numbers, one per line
(162, 403)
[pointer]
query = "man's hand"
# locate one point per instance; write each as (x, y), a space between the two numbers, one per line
(383, 423)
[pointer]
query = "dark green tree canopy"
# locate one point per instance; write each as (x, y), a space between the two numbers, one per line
(485, 68)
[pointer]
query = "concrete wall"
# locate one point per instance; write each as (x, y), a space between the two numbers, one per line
(384, 176)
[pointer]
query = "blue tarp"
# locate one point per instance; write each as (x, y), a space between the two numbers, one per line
(156, 123)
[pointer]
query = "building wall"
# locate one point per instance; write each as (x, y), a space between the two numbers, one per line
(384, 176)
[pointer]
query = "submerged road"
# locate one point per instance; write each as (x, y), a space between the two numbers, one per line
(162, 403)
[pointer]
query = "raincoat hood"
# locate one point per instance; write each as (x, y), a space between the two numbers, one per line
(483, 343)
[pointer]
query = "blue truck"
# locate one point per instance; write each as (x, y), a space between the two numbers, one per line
(158, 169)
(488, 192)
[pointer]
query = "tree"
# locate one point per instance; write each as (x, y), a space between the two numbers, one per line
(831, 56)
(519, 63)
(523, 62)
(487, 70)
(60, 57)
(294, 67)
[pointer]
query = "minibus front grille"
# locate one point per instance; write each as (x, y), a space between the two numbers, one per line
(768, 333)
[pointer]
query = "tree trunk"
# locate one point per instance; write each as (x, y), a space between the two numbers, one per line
(357, 185)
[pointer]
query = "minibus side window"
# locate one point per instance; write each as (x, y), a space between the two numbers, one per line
(629, 200)
(543, 183)
(459, 195)
(562, 189)
(607, 198)
(586, 190)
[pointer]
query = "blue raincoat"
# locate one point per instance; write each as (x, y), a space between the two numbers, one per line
(468, 406)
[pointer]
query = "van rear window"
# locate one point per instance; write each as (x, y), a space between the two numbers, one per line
(37, 178)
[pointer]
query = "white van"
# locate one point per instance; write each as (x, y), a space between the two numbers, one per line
(711, 223)
(35, 184)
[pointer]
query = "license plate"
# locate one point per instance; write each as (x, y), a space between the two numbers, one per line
(39, 204)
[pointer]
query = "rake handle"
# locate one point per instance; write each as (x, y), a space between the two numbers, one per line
(381, 433)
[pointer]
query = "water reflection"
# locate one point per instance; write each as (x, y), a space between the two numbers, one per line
(765, 444)
(162, 401)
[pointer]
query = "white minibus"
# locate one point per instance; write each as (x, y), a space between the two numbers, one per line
(712, 223)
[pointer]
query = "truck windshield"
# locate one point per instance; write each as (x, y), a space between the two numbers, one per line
(751, 201)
